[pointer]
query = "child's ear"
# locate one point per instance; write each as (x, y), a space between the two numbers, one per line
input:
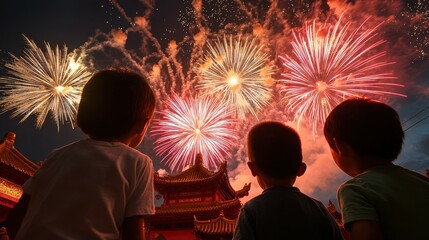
(343, 148)
(253, 168)
(301, 169)
(142, 126)
(339, 145)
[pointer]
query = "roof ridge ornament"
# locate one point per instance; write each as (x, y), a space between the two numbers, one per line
(221, 214)
(9, 139)
(199, 159)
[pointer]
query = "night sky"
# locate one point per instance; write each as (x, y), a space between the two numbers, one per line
(75, 22)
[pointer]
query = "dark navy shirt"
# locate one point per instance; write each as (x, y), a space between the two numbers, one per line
(285, 213)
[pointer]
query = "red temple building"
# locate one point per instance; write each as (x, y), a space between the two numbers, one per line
(15, 169)
(197, 204)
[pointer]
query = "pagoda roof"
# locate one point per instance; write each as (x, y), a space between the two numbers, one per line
(11, 157)
(199, 175)
(220, 226)
(206, 209)
(244, 191)
(195, 174)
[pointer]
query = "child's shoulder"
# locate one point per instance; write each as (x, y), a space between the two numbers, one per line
(385, 177)
(388, 170)
(279, 194)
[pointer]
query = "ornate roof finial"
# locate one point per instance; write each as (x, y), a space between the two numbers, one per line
(331, 207)
(221, 214)
(199, 159)
(9, 139)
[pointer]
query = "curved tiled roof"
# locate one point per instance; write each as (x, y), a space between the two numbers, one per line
(13, 158)
(220, 226)
(195, 174)
(244, 191)
(199, 207)
(199, 175)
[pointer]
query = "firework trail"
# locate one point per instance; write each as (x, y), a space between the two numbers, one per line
(237, 72)
(330, 64)
(172, 69)
(44, 82)
(190, 126)
(175, 69)
(174, 66)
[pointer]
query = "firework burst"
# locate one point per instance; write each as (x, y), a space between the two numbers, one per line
(330, 64)
(236, 71)
(191, 126)
(44, 82)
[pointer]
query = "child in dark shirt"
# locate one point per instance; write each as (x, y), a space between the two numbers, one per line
(281, 211)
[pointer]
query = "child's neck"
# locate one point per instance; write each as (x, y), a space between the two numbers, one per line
(369, 163)
(268, 182)
(122, 140)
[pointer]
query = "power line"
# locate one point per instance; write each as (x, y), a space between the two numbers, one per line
(427, 116)
(415, 115)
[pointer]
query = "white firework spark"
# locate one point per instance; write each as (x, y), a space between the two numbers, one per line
(237, 72)
(40, 83)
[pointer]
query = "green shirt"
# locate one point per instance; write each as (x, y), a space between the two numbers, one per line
(395, 197)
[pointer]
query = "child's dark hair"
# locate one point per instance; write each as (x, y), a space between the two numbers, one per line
(113, 102)
(371, 128)
(275, 149)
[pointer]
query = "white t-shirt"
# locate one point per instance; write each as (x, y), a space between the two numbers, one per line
(86, 189)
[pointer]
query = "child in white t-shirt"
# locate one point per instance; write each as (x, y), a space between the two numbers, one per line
(100, 187)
